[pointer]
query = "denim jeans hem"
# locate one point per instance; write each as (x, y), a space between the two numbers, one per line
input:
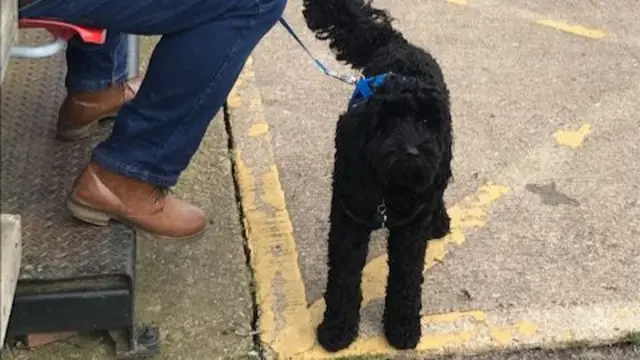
(132, 171)
(95, 85)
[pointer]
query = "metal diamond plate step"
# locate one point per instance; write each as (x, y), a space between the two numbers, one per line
(37, 174)
(73, 276)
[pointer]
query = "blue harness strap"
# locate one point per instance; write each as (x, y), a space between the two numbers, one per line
(365, 87)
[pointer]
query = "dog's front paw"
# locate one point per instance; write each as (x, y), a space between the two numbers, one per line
(402, 332)
(335, 336)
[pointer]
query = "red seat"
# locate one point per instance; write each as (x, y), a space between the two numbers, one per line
(65, 31)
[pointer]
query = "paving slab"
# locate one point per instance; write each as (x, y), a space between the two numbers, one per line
(625, 352)
(545, 204)
(198, 294)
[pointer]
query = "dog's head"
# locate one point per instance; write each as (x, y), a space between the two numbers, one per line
(402, 132)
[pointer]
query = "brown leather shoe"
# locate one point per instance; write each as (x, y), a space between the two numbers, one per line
(80, 112)
(99, 195)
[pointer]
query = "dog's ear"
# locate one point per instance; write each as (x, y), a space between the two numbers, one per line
(433, 104)
(397, 94)
(401, 95)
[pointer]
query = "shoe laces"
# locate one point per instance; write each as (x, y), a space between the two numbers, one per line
(160, 192)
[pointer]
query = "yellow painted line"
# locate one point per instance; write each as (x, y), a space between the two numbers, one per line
(457, 330)
(572, 138)
(258, 129)
(459, 2)
(573, 29)
(284, 321)
(476, 331)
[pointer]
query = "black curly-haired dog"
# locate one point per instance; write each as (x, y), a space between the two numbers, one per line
(392, 166)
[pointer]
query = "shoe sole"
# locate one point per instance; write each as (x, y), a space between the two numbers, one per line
(79, 133)
(88, 215)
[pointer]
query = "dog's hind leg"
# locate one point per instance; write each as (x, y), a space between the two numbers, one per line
(403, 302)
(348, 246)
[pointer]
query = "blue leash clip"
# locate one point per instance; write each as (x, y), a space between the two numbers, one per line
(365, 87)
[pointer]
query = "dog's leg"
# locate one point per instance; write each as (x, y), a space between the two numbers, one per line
(403, 301)
(440, 223)
(348, 246)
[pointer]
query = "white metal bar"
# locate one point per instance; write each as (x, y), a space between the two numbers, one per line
(133, 55)
(39, 51)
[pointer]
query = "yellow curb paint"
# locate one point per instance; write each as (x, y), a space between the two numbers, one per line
(526, 328)
(470, 213)
(284, 320)
(234, 100)
(568, 336)
(572, 138)
(433, 342)
(506, 335)
(451, 330)
(459, 2)
(573, 29)
(502, 336)
(453, 317)
(258, 129)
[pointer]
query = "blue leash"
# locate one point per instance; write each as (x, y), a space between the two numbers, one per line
(364, 86)
(349, 79)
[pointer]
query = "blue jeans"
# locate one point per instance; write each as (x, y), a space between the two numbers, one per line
(203, 48)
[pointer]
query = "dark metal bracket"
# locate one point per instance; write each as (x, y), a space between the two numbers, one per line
(136, 343)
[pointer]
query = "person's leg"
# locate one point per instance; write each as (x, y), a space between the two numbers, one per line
(96, 81)
(203, 49)
(92, 67)
(97, 85)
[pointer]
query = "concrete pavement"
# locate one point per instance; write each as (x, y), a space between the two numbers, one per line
(601, 353)
(546, 214)
(545, 200)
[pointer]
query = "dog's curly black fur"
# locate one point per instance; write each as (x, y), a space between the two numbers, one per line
(393, 149)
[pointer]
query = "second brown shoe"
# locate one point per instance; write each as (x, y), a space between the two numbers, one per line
(99, 195)
(80, 112)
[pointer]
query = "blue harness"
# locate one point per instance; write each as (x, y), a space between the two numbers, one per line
(364, 86)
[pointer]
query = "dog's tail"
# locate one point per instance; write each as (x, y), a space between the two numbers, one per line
(354, 28)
